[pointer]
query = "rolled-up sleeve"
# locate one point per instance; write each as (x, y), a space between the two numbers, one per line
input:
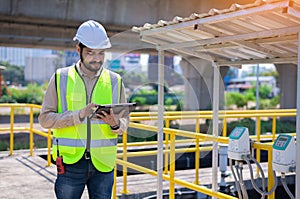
(123, 119)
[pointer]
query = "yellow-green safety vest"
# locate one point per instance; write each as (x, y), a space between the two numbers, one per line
(91, 134)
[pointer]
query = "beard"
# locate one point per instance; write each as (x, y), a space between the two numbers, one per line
(92, 66)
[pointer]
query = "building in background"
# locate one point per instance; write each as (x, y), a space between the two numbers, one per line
(71, 57)
(40, 69)
(17, 56)
(242, 84)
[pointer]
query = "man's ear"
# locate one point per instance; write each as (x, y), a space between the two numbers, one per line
(78, 49)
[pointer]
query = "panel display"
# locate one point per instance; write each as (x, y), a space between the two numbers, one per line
(281, 141)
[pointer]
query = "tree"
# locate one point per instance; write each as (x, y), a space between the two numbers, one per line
(264, 91)
(235, 98)
(13, 74)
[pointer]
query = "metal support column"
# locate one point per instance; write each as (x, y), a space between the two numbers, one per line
(297, 185)
(160, 124)
(215, 126)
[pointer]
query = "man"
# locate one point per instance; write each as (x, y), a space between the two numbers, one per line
(85, 148)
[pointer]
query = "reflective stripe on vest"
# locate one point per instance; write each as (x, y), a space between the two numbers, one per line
(82, 142)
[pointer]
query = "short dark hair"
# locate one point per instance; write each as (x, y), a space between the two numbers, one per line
(81, 45)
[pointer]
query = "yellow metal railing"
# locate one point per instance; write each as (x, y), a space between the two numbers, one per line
(170, 141)
(198, 137)
(29, 129)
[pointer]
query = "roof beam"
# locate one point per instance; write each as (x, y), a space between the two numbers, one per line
(257, 48)
(247, 36)
(260, 61)
(194, 54)
(259, 41)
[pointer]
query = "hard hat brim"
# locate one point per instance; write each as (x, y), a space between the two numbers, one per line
(104, 45)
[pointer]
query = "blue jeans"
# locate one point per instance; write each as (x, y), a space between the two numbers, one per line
(71, 184)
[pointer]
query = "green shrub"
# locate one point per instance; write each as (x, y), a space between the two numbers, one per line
(266, 126)
(249, 96)
(168, 101)
(7, 99)
(139, 100)
(139, 135)
(235, 98)
(264, 91)
(275, 101)
(32, 94)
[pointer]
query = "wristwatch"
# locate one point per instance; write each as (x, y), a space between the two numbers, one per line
(116, 127)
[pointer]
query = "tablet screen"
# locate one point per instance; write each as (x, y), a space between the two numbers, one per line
(117, 108)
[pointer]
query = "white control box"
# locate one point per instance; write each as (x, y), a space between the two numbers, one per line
(239, 143)
(284, 153)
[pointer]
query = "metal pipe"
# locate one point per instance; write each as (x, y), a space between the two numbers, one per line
(223, 154)
(257, 93)
(160, 124)
(286, 188)
(297, 188)
(215, 126)
(237, 185)
(243, 187)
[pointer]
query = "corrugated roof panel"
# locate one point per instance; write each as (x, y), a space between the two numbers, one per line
(252, 53)
(288, 47)
(261, 30)
(237, 55)
(197, 34)
(211, 12)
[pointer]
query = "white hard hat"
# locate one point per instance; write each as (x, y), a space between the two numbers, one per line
(93, 35)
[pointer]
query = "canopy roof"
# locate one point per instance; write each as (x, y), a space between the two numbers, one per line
(265, 31)
(262, 32)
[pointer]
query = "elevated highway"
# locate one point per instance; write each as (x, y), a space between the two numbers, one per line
(52, 24)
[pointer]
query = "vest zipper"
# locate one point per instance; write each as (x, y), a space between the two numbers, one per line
(89, 131)
(88, 140)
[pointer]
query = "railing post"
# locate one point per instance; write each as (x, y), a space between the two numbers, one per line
(30, 131)
(166, 170)
(125, 191)
(11, 139)
(49, 147)
(197, 153)
(224, 127)
(114, 192)
(172, 166)
(271, 179)
(273, 128)
(258, 140)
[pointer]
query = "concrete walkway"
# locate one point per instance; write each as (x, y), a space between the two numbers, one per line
(26, 177)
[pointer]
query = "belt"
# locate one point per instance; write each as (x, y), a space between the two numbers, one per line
(87, 155)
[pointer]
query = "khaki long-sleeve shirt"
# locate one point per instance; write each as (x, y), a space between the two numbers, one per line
(50, 119)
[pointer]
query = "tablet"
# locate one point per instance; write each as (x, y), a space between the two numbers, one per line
(117, 108)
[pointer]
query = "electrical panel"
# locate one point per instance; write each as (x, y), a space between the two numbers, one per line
(284, 153)
(239, 143)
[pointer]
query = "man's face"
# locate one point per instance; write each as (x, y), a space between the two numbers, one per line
(92, 59)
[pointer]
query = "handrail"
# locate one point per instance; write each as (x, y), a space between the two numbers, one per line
(170, 142)
(31, 130)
